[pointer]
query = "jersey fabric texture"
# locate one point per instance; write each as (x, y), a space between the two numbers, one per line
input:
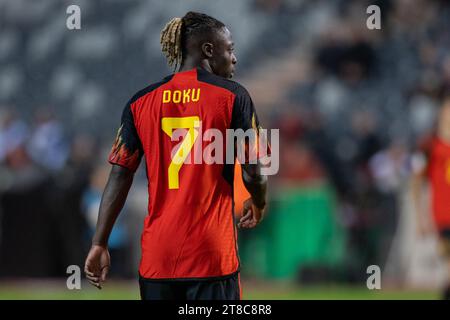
(189, 232)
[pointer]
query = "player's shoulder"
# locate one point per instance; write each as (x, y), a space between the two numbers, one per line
(230, 85)
(150, 88)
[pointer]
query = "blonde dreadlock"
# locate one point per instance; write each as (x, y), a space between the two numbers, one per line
(171, 42)
(178, 31)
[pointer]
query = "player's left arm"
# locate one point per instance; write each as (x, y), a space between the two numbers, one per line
(256, 184)
(244, 117)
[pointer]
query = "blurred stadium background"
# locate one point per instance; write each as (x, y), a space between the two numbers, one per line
(351, 105)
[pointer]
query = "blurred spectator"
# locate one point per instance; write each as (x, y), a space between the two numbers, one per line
(298, 165)
(47, 145)
(13, 132)
(353, 60)
(26, 216)
(390, 171)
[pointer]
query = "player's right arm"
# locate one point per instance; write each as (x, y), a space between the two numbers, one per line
(98, 261)
(245, 118)
(125, 157)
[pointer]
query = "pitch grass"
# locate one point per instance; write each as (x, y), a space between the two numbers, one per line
(128, 290)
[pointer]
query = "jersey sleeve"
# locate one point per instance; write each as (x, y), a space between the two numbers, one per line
(244, 117)
(127, 149)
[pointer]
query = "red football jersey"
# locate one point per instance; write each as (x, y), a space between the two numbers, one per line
(438, 171)
(190, 230)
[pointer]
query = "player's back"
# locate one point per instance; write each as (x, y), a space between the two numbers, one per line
(189, 231)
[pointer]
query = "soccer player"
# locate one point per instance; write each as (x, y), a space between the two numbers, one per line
(433, 164)
(189, 247)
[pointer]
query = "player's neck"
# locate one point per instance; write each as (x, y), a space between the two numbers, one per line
(190, 64)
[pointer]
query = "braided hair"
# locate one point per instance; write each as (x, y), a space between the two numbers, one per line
(179, 31)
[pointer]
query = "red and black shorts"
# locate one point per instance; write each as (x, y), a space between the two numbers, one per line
(220, 288)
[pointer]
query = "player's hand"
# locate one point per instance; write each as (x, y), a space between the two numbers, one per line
(251, 215)
(97, 265)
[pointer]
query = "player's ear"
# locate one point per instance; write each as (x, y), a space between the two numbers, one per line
(208, 49)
